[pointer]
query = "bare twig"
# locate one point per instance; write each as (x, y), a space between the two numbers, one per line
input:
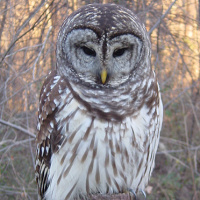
(162, 146)
(161, 18)
(180, 94)
(189, 152)
(17, 128)
(3, 21)
(178, 150)
(27, 125)
(21, 89)
(194, 112)
(18, 38)
(13, 143)
(40, 53)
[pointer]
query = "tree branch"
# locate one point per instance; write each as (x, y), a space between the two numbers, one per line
(17, 127)
(33, 26)
(161, 18)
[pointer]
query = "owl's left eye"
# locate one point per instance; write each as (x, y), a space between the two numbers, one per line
(119, 52)
(88, 51)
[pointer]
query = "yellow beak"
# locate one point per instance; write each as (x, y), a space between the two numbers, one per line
(103, 76)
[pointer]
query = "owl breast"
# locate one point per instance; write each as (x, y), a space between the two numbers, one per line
(98, 155)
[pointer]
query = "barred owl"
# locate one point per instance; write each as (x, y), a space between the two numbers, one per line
(100, 111)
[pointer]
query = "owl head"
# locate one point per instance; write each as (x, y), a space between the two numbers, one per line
(103, 45)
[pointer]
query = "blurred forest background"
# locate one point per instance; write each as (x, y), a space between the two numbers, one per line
(28, 32)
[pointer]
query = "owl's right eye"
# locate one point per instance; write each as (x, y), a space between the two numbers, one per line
(88, 51)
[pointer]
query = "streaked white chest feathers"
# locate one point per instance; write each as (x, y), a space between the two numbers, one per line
(100, 156)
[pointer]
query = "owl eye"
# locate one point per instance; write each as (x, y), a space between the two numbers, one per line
(88, 51)
(119, 52)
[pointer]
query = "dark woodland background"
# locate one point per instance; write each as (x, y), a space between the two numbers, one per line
(28, 32)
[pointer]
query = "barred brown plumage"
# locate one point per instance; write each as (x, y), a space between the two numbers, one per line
(100, 111)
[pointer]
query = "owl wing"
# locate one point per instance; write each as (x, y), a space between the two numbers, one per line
(48, 138)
